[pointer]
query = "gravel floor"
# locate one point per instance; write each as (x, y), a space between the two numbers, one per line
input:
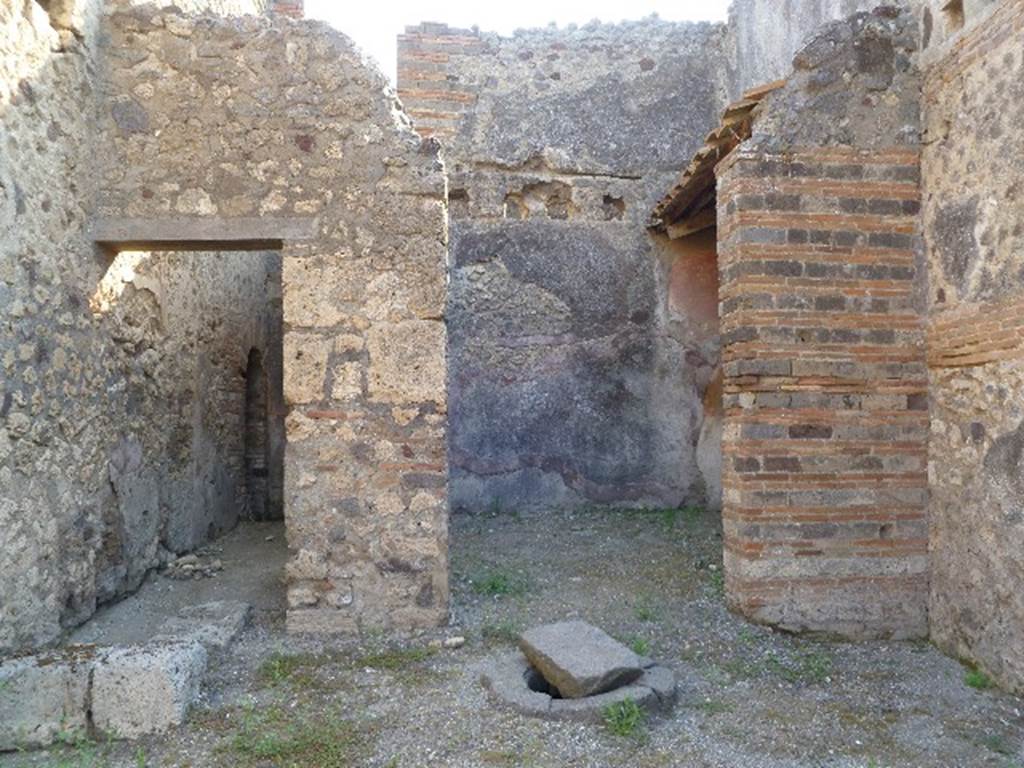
(750, 697)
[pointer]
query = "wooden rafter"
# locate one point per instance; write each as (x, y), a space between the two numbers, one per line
(690, 205)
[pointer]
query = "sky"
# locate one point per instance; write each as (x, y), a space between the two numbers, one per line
(375, 25)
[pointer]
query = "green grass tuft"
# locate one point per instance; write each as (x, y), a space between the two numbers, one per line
(625, 719)
(639, 645)
(291, 740)
(280, 667)
(394, 659)
(808, 667)
(647, 609)
(978, 680)
(498, 583)
(505, 632)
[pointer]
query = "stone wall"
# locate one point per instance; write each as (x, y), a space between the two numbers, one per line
(973, 178)
(291, 138)
(764, 35)
(826, 417)
(123, 379)
(574, 380)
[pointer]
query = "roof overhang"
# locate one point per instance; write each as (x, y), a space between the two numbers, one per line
(690, 206)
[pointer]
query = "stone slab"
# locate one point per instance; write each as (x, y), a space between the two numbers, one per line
(203, 232)
(216, 625)
(42, 698)
(579, 659)
(146, 689)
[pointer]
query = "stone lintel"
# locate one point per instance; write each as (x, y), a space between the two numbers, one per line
(203, 233)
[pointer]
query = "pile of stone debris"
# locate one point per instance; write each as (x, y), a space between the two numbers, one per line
(201, 564)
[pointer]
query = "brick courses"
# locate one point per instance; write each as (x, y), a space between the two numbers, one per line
(825, 400)
(428, 90)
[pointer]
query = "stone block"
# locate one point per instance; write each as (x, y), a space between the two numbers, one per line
(305, 365)
(407, 362)
(579, 659)
(148, 689)
(216, 625)
(41, 698)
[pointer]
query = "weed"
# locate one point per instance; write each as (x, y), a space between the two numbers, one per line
(499, 583)
(692, 515)
(279, 667)
(808, 667)
(978, 680)
(292, 740)
(625, 718)
(716, 580)
(647, 609)
(712, 707)
(740, 669)
(85, 753)
(394, 659)
(141, 760)
(998, 744)
(505, 631)
(639, 645)
(746, 636)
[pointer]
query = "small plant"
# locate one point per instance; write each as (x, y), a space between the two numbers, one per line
(647, 610)
(978, 680)
(639, 645)
(500, 584)
(809, 667)
(716, 580)
(746, 636)
(279, 667)
(141, 760)
(394, 659)
(998, 744)
(713, 707)
(692, 515)
(505, 631)
(624, 718)
(279, 737)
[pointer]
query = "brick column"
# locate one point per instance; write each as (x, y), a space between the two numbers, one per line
(434, 98)
(826, 407)
(293, 8)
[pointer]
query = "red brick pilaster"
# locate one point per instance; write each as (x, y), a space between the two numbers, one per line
(433, 97)
(293, 8)
(826, 406)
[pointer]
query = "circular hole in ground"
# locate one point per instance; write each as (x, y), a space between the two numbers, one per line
(536, 682)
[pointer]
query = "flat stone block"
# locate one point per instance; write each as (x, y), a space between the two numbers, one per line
(579, 659)
(43, 697)
(146, 689)
(216, 625)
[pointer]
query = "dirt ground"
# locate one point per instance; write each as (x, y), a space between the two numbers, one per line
(749, 697)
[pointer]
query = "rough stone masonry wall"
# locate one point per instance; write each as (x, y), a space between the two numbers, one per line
(826, 414)
(118, 386)
(973, 179)
(574, 378)
(764, 35)
(256, 123)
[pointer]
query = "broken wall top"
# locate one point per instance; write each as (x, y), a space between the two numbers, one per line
(600, 98)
